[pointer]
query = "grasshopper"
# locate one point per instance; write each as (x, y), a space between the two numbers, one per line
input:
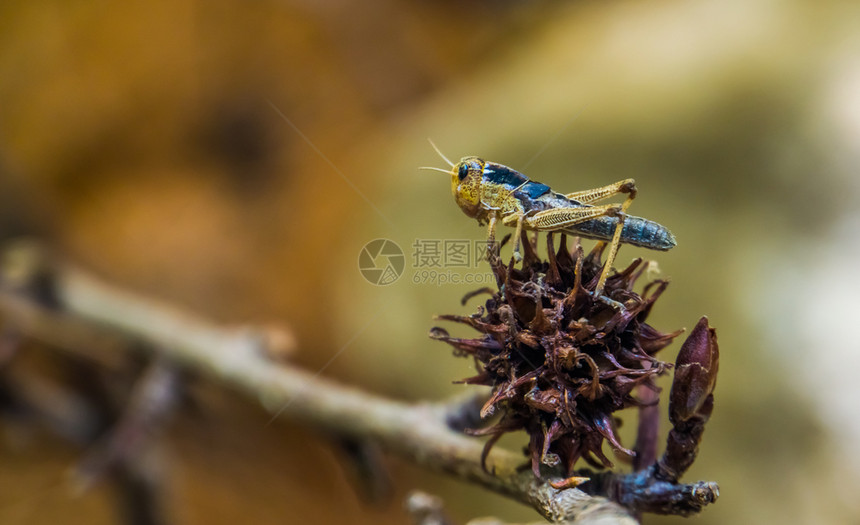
(491, 192)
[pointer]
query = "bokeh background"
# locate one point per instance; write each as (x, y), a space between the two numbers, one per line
(234, 157)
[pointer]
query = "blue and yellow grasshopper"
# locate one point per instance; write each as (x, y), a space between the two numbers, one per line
(491, 192)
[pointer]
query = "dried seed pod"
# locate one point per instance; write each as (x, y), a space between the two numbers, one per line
(561, 363)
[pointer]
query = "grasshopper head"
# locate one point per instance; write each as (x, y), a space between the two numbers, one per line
(466, 177)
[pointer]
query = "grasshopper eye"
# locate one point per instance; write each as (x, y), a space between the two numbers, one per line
(464, 170)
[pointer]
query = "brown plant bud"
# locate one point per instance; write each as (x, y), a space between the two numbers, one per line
(695, 375)
(691, 400)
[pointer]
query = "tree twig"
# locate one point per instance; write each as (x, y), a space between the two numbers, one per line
(94, 318)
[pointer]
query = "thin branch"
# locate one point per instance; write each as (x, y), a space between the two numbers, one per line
(150, 403)
(94, 318)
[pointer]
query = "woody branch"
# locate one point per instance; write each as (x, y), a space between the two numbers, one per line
(96, 320)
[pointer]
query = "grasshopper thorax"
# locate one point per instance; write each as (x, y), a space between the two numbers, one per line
(466, 179)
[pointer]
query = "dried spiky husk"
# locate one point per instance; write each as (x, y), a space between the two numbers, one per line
(560, 363)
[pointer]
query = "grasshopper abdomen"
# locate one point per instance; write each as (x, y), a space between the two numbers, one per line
(637, 231)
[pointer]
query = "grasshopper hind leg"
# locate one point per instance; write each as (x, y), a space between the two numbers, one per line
(598, 194)
(628, 187)
(560, 218)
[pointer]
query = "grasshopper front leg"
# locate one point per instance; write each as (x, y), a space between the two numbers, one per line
(491, 236)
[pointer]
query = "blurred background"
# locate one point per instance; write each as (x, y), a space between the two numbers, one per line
(235, 157)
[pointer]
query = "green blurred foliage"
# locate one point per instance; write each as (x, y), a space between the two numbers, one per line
(234, 157)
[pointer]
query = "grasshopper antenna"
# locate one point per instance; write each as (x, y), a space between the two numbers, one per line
(435, 169)
(440, 153)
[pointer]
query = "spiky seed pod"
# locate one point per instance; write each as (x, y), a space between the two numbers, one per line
(559, 362)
